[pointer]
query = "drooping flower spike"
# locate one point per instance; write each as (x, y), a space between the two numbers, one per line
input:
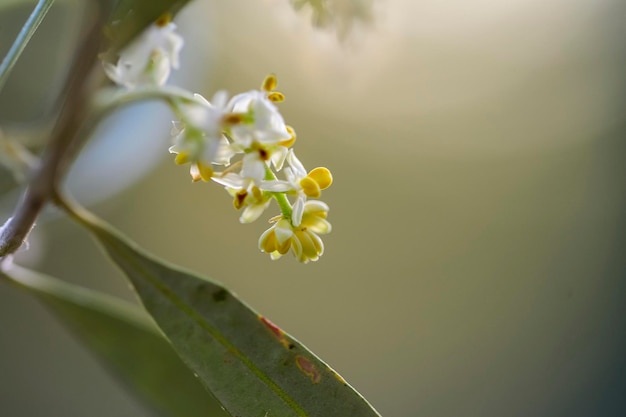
(246, 136)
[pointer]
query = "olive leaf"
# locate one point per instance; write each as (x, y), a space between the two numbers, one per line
(251, 366)
(126, 342)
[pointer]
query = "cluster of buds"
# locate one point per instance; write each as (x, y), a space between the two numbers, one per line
(241, 143)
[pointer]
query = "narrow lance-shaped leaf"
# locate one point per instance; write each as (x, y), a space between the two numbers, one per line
(251, 366)
(127, 342)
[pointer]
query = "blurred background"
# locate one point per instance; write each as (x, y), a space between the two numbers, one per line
(476, 264)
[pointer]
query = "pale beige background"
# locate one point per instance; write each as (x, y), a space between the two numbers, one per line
(476, 263)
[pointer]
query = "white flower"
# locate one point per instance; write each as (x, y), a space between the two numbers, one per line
(302, 240)
(305, 184)
(253, 201)
(262, 122)
(201, 141)
(237, 181)
(149, 58)
(260, 156)
(253, 196)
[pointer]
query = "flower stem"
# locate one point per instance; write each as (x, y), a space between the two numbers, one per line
(281, 198)
(27, 32)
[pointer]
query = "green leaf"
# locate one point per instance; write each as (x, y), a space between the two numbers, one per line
(251, 366)
(126, 341)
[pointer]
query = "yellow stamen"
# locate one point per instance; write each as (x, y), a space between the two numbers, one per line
(270, 244)
(310, 187)
(233, 118)
(201, 171)
(181, 159)
(231, 168)
(276, 97)
(164, 20)
(322, 177)
(275, 218)
(283, 248)
(257, 193)
(264, 155)
(269, 83)
(289, 142)
(239, 200)
(206, 171)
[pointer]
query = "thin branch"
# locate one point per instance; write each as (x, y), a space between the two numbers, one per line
(27, 32)
(63, 144)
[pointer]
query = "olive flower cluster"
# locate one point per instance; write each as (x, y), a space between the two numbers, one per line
(240, 142)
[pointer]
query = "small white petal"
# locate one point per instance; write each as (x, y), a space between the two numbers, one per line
(283, 231)
(201, 99)
(263, 237)
(317, 241)
(298, 209)
(316, 205)
(220, 100)
(276, 186)
(231, 180)
(296, 165)
(296, 246)
(253, 167)
(319, 225)
(253, 212)
(278, 157)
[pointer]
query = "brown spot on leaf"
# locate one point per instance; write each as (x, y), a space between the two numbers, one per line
(308, 368)
(282, 338)
(274, 328)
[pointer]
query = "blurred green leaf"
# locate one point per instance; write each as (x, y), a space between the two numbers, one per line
(126, 341)
(249, 364)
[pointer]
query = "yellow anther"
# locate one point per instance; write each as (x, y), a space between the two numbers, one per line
(322, 177)
(310, 187)
(289, 142)
(264, 155)
(276, 97)
(233, 118)
(269, 244)
(181, 159)
(283, 248)
(270, 83)
(164, 20)
(257, 193)
(200, 171)
(240, 199)
(206, 171)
